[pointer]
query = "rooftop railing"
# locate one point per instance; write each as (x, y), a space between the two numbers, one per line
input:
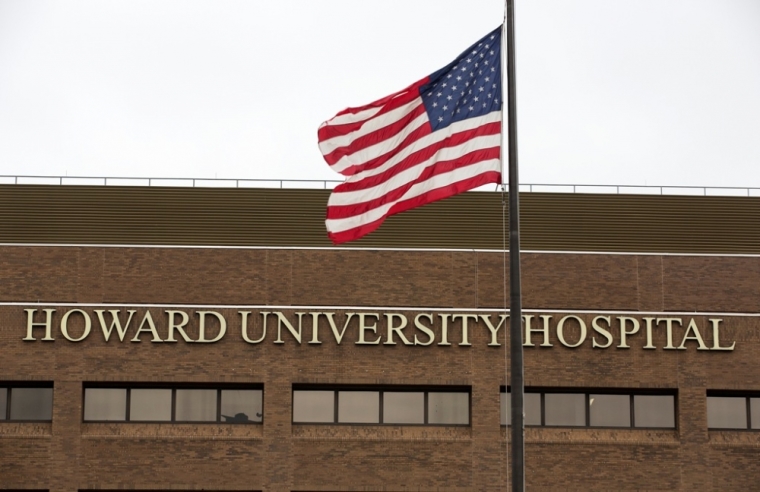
(329, 184)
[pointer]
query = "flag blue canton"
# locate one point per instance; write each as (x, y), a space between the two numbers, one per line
(467, 87)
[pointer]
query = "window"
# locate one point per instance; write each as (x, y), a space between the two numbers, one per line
(556, 408)
(387, 406)
(232, 405)
(26, 403)
(733, 411)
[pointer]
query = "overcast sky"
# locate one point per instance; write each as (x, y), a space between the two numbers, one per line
(657, 92)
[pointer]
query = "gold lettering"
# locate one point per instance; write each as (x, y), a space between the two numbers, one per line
(561, 332)
(444, 329)
(546, 318)
(244, 327)
(389, 317)
(716, 336)
(282, 320)
(65, 327)
(669, 330)
(334, 327)
(151, 328)
(47, 324)
(605, 333)
(202, 326)
(364, 326)
(623, 333)
(495, 331)
(427, 331)
(649, 344)
(115, 323)
(697, 337)
(315, 329)
(465, 330)
(179, 327)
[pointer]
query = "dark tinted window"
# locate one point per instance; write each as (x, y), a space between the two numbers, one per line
(3, 403)
(733, 411)
(105, 404)
(654, 411)
(393, 406)
(565, 409)
(31, 403)
(241, 406)
(448, 408)
(579, 408)
(532, 403)
(359, 407)
(196, 405)
(609, 410)
(403, 408)
(150, 405)
(313, 406)
(140, 404)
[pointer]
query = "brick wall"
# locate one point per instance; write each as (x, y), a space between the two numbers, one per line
(68, 455)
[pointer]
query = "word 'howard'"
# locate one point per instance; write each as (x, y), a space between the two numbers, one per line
(368, 328)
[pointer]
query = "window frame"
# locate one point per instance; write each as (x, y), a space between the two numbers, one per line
(173, 387)
(587, 392)
(381, 389)
(10, 385)
(747, 395)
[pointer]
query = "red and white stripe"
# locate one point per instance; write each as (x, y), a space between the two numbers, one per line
(394, 161)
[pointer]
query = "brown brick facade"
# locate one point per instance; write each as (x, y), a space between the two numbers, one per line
(68, 454)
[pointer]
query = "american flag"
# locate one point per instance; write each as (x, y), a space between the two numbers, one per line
(438, 137)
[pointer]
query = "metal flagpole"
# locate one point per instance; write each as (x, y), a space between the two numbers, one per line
(515, 292)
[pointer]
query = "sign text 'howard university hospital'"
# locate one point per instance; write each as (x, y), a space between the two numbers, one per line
(599, 331)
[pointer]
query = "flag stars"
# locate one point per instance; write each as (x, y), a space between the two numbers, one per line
(463, 91)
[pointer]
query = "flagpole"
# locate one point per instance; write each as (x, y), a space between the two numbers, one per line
(515, 306)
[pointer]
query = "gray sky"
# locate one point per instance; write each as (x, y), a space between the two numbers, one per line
(657, 92)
